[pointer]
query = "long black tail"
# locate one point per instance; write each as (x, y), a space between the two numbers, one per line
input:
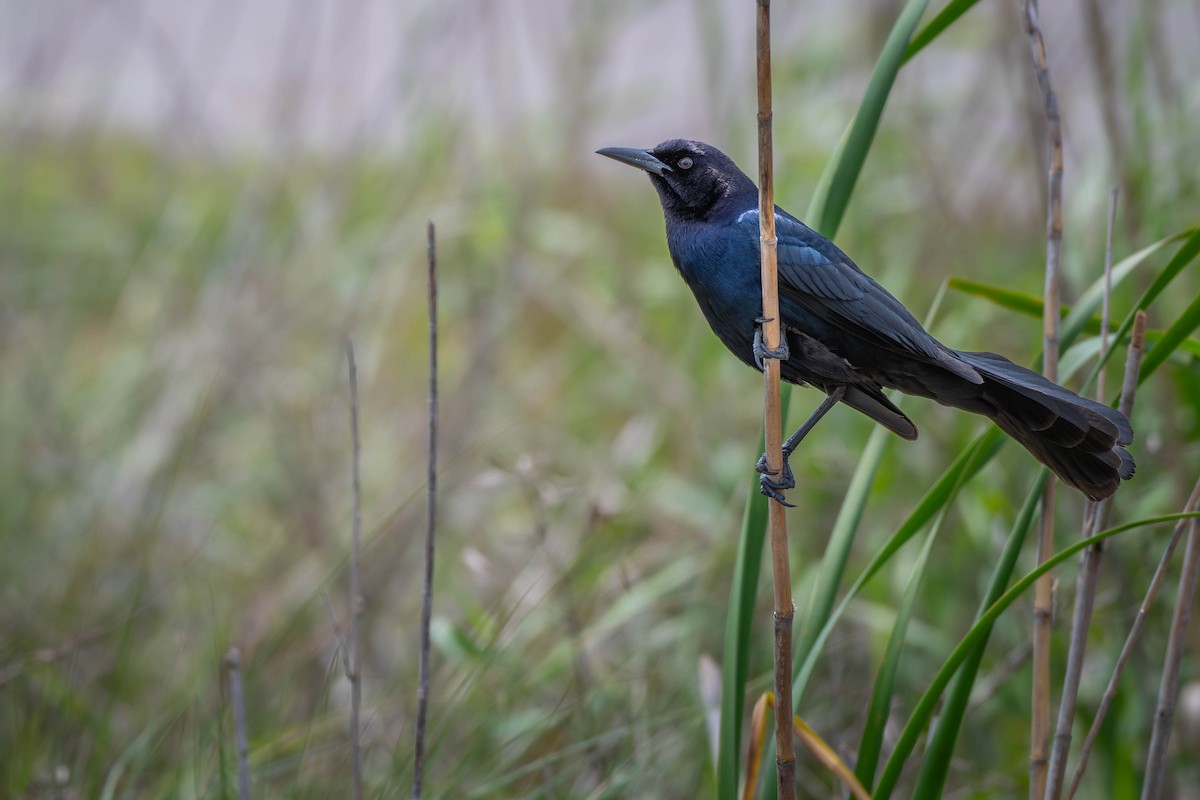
(1081, 440)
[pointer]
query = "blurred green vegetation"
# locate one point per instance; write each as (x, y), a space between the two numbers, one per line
(176, 449)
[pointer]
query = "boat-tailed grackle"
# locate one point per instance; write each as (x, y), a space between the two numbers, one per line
(846, 335)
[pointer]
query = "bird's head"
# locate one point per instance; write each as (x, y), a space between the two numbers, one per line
(691, 177)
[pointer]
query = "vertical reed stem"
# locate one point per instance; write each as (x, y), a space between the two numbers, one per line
(1044, 590)
(777, 514)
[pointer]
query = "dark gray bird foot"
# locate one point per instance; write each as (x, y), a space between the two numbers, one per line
(760, 349)
(774, 484)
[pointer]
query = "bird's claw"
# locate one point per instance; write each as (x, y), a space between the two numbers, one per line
(773, 484)
(772, 490)
(761, 351)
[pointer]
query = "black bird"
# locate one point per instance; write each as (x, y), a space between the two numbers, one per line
(846, 335)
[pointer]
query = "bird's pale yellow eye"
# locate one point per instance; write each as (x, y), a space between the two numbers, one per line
(684, 163)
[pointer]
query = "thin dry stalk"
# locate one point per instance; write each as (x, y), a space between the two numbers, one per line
(353, 673)
(430, 521)
(1085, 593)
(233, 664)
(348, 645)
(1089, 563)
(1044, 590)
(1168, 689)
(1043, 616)
(1106, 308)
(1135, 631)
(777, 514)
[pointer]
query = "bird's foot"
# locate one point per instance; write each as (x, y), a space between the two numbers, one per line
(760, 349)
(774, 484)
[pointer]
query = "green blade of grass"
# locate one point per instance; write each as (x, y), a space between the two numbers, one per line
(827, 209)
(1187, 347)
(1080, 317)
(1183, 256)
(940, 749)
(829, 205)
(965, 467)
(1020, 302)
(738, 627)
(820, 626)
(1181, 351)
(944, 19)
(969, 462)
(970, 642)
(1172, 340)
(129, 764)
(881, 697)
(1085, 307)
(841, 540)
(737, 648)
(871, 744)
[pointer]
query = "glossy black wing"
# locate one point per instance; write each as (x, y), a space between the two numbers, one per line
(824, 282)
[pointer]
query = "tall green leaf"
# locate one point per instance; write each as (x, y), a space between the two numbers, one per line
(871, 744)
(940, 748)
(1183, 256)
(1091, 299)
(828, 207)
(1081, 316)
(971, 642)
(1172, 340)
(939, 496)
(945, 18)
(738, 627)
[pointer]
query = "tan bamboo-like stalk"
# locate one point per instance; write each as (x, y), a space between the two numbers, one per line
(1043, 601)
(777, 514)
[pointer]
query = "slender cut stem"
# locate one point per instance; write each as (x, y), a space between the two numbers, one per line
(233, 665)
(777, 514)
(1135, 632)
(1110, 693)
(430, 522)
(1044, 592)
(1168, 689)
(1089, 571)
(353, 673)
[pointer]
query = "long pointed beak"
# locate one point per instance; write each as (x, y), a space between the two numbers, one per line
(642, 159)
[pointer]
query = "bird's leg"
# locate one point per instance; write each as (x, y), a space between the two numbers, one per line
(760, 349)
(773, 484)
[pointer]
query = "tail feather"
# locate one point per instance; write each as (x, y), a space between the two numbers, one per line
(871, 401)
(1081, 440)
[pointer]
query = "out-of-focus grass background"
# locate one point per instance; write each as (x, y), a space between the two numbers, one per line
(199, 203)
